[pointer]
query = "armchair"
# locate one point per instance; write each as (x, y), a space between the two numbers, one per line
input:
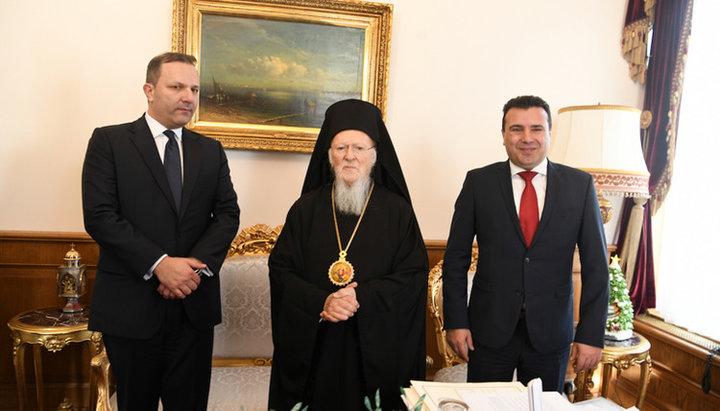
(453, 368)
(242, 350)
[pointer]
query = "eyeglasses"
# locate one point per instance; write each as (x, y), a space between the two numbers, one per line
(357, 149)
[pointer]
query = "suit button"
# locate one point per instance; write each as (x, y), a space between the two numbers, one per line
(517, 293)
(527, 260)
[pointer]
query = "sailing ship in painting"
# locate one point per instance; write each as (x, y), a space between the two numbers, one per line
(219, 96)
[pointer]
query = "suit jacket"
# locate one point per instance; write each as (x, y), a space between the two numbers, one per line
(129, 211)
(507, 269)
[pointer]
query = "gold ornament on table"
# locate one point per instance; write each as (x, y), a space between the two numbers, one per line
(71, 281)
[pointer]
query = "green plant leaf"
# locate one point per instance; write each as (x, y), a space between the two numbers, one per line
(418, 405)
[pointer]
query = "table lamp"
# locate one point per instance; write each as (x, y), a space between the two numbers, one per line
(603, 140)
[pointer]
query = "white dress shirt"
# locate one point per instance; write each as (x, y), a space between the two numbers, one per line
(158, 131)
(539, 182)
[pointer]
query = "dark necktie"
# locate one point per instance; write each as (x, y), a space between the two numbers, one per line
(172, 167)
(529, 215)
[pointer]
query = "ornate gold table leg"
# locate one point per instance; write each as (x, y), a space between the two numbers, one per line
(583, 385)
(607, 376)
(96, 347)
(19, 363)
(645, 369)
(100, 368)
(39, 382)
(580, 387)
(53, 330)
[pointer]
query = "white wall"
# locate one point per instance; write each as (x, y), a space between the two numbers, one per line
(74, 65)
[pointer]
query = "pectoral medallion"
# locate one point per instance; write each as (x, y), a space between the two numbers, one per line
(341, 272)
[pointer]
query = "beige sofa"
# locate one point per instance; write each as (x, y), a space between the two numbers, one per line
(243, 341)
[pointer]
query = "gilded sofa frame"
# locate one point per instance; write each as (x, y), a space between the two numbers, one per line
(255, 240)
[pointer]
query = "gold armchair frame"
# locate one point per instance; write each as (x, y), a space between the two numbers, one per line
(435, 304)
(100, 369)
(255, 240)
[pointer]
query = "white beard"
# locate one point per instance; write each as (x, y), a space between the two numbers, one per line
(350, 200)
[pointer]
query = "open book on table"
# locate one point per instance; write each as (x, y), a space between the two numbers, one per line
(495, 396)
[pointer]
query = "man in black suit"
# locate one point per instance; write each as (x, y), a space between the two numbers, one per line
(520, 313)
(158, 200)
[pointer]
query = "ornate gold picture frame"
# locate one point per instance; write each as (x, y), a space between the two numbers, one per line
(269, 68)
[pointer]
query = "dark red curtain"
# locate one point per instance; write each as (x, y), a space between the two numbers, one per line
(642, 289)
(635, 11)
(663, 92)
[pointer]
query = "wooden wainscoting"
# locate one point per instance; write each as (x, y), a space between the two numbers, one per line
(678, 363)
(28, 270)
(28, 267)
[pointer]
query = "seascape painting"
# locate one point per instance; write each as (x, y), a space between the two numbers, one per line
(276, 73)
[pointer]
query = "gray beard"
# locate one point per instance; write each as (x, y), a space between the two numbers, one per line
(350, 200)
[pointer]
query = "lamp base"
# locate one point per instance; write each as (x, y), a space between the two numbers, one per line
(72, 306)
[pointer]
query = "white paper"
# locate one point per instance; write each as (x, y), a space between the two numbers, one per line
(495, 402)
(435, 391)
(535, 397)
(489, 396)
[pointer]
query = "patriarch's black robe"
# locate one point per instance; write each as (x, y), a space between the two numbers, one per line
(334, 365)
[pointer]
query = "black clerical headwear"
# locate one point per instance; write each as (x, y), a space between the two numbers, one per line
(356, 115)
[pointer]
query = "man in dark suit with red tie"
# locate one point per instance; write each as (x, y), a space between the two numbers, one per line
(158, 200)
(520, 313)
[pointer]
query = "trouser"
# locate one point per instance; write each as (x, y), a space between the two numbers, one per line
(498, 364)
(173, 365)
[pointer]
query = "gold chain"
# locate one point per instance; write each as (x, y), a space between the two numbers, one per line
(343, 253)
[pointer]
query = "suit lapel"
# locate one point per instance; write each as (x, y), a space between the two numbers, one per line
(143, 139)
(552, 196)
(505, 183)
(191, 164)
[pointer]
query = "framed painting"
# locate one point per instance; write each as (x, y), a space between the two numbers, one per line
(269, 68)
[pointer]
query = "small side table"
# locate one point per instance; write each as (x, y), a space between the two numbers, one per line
(54, 330)
(621, 355)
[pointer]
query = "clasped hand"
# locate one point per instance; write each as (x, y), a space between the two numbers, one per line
(341, 305)
(177, 276)
(584, 357)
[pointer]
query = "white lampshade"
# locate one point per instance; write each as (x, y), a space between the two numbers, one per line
(604, 141)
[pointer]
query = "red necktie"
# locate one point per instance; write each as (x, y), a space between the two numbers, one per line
(529, 214)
